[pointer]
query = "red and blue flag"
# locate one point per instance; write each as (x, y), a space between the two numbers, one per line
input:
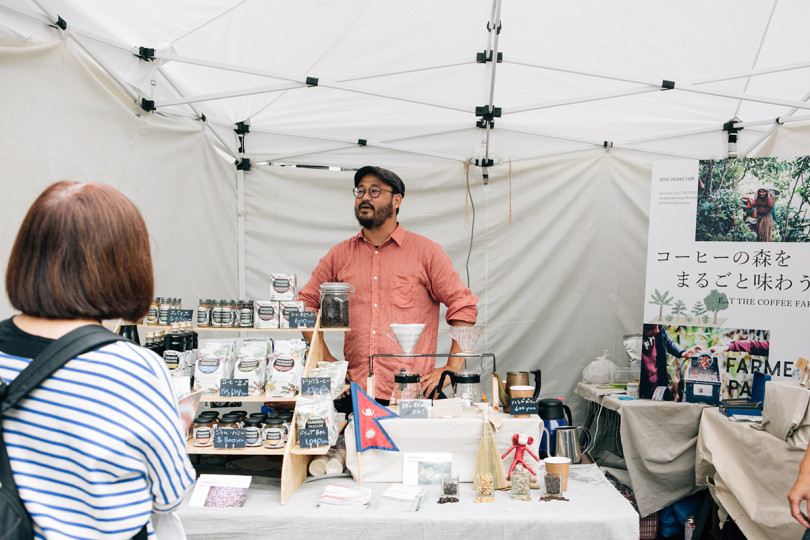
(368, 432)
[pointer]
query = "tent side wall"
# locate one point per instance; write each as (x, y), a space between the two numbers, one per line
(63, 121)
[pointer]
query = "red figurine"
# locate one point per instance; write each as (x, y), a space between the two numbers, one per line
(519, 445)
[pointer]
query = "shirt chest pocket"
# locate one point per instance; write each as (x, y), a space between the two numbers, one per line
(403, 291)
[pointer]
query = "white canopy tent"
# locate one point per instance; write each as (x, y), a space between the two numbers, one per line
(162, 100)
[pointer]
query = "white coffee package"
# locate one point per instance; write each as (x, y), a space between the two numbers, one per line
(336, 371)
(285, 367)
(251, 364)
(215, 362)
(285, 309)
(265, 314)
(283, 287)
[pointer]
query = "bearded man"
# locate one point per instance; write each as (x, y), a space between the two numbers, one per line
(398, 277)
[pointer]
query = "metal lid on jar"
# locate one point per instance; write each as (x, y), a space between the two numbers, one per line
(273, 422)
(337, 287)
(468, 377)
(404, 377)
(253, 422)
(204, 420)
(284, 415)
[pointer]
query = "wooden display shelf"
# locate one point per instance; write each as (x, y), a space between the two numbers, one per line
(245, 329)
(259, 399)
(246, 451)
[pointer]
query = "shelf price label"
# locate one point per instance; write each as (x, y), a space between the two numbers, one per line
(522, 406)
(229, 438)
(316, 386)
(314, 435)
(180, 315)
(303, 319)
(233, 387)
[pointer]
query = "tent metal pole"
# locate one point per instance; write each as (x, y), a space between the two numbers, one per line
(751, 73)
(588, 72)
(240, 232)
(771, 122)
(225, 95)
(493, 64)
(574, 101)
(122, 84)
(768, 133)
(745, 97)
(265, 157)
(415, 69)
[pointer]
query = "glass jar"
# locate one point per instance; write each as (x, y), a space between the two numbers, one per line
(335, 304)
(246, 314)
(216, 313)
(202, 431)
(274, 433)
(230, 421)
(253, 432)
(165, 304)
(449, 485)
(286, 419)
(204, 313)
(153, 315)
(484, 484)
(521, 484)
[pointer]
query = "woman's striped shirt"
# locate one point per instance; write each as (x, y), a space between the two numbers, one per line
(99, 445)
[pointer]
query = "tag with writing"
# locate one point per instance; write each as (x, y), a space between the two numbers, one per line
(414, 408)
(229, 438)
(303, 319)
(314, 435)
(522, 406)
(316, 386)
(233, 387)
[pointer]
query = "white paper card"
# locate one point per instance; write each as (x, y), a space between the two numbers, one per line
(425, 468)
(220, 490)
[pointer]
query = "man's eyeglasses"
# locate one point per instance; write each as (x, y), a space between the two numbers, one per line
(373, 191)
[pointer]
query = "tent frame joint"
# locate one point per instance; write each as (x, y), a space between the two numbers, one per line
(667, 85)
(146, 54)
(486, 56)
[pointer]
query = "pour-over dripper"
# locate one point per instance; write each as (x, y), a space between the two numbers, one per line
(466, 336)
(406, 335)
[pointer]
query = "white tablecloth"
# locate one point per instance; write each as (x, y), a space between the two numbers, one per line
(459, 436)
(658, 440)
(753, 472)
(594, 510)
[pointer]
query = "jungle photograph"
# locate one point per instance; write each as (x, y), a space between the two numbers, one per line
(753, 200)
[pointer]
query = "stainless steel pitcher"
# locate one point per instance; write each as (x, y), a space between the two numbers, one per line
(567, 444)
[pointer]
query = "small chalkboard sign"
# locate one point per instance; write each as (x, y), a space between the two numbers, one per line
(314, 435)
(316, 386)
(414, 408)
(233, 387)
(180, 315)
(303, 319)
(523, 405)
(229, 438)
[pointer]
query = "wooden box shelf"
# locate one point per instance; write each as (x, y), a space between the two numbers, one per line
(295, 460)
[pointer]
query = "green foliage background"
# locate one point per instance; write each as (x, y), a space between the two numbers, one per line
(720, 210)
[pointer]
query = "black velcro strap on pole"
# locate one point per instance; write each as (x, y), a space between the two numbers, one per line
(54, 356)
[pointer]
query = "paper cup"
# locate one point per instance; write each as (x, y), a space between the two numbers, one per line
(559, 465)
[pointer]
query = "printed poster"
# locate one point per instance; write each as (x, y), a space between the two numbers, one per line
(728, 268)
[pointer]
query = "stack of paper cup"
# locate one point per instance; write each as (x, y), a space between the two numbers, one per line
(330, 463)
(559, 465)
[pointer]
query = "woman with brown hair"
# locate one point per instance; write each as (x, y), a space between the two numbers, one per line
(97, 450)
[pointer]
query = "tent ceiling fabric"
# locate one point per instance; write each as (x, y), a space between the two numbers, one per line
(403, 76)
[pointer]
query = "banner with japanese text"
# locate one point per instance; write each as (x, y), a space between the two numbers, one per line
(728, 270)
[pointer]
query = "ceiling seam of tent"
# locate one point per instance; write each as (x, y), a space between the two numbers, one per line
(759, 51)
(207, 22)
(407, 71)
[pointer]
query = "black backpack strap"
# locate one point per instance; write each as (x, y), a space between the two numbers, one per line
(55, 355)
